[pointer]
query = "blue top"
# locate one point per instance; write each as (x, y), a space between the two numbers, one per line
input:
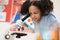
(44, 26)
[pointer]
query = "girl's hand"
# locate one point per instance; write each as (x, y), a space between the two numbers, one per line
(26, 29)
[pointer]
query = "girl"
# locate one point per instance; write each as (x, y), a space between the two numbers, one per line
(42, 17)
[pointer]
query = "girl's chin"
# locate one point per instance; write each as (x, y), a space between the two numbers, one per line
(35, 20)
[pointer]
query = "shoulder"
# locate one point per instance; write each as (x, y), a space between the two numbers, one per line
(50, 19)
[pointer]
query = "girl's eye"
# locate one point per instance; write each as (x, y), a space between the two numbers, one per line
(35, 12)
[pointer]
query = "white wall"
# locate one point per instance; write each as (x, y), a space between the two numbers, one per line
(57, 8)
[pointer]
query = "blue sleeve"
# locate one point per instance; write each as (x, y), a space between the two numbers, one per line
(51, 19)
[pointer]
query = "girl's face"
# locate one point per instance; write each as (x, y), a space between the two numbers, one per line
(35, 13)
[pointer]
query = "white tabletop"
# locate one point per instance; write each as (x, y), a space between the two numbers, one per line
(4, 27)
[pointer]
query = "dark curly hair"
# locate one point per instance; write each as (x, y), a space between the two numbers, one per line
(24, 8)
(46, 6)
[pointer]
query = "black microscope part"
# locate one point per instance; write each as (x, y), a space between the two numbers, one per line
(19, 34)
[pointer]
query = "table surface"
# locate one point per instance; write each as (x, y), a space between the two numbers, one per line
(4, 27)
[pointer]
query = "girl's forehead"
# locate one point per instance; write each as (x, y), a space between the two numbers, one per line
(33, 8)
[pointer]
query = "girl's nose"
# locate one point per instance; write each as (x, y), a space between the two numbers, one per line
(32, 16)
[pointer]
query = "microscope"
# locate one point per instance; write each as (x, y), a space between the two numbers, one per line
(18, 25)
